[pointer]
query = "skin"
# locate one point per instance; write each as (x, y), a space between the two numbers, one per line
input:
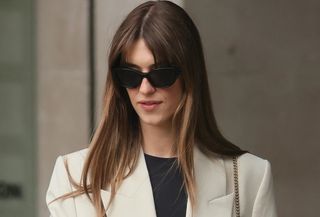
(158, 135)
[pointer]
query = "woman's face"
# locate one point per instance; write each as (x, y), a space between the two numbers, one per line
(154, 106)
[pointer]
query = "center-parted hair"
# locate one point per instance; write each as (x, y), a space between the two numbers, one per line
(173, 38)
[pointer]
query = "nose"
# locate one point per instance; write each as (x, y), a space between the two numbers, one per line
(146, 87)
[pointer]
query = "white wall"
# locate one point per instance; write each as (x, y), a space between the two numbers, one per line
(62, 84)
(263, 64)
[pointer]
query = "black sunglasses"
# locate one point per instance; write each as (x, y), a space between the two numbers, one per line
(158, 77)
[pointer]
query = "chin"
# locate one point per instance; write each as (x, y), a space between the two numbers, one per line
(150, 121)
(154, 121)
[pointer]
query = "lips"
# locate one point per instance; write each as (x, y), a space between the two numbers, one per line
(150, 105)
(149, 102)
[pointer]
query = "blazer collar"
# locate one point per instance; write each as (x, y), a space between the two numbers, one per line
(210, 181)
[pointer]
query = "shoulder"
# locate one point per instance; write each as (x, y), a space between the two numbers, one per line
(250, 162)
(73, 159)
(60, 182)
(68, 166)
(253, 167)
(253, 171)
(79, 155)
(73, 162)
(66, 171)
(249, 158)
(256, 185)
(255, 180)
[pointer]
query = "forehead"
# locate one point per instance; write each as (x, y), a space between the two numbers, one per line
(141, 54)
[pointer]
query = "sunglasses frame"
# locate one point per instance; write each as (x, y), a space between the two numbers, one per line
(147, 75)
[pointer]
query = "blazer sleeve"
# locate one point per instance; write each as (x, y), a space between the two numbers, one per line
(265, 204)
(60, 185)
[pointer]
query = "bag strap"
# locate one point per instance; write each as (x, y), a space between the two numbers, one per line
(236, 185)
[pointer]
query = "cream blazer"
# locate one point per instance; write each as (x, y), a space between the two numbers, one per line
(135, 198)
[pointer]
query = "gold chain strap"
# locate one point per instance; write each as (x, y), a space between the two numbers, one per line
(236, 185)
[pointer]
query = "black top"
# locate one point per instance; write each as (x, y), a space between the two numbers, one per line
(169, 200)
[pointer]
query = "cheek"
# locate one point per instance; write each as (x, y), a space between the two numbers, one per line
(131, 93)
(174, 94)
(177, 90)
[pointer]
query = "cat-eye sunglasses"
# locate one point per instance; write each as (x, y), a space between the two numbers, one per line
(159, 77)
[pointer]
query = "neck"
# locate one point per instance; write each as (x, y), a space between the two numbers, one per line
(157, 140)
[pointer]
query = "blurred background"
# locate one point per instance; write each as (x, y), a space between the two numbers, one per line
(263, 60)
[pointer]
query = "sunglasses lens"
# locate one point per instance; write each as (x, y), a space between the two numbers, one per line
(127, 77)
(163, 77)
(160, 77)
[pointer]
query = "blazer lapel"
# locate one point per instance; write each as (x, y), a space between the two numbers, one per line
(135, 197)
(210, 176)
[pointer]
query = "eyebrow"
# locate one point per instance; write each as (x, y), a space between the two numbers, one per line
(136, 66)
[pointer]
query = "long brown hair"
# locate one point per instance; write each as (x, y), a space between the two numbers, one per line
(173, 38)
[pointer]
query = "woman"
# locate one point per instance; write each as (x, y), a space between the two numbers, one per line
(157, 150)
